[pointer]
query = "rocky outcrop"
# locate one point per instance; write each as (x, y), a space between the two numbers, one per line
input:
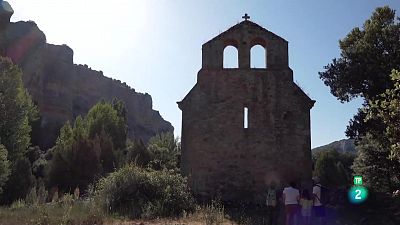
(63, 90)
(5, 13)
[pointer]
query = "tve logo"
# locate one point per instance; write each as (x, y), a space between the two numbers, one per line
(358, 193)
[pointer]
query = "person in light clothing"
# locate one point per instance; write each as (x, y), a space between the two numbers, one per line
(291, 197)
(306, 204)
(319, 208)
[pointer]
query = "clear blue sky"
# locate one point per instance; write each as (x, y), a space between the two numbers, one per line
(155, 45)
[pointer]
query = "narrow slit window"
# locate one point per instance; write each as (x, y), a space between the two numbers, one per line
(246, 118)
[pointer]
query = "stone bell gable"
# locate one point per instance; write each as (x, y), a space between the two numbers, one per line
(243, 128)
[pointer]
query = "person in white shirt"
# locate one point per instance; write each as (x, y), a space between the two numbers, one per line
(319, 208)
(291, 197)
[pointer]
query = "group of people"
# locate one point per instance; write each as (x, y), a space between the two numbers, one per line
(299, 208)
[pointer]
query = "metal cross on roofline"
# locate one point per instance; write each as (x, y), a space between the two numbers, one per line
(246, 16)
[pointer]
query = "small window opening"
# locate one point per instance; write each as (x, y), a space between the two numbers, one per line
(231, 57)
(246, 118)
(258, 57)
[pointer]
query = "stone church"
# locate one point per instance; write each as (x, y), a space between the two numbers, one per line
(244, 128)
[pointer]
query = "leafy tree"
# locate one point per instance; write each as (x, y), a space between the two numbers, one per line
(108, 158)
(76, 159)
(4, 167)
(16, 111)
(72, 157)
(137, 153)
(379, 172)
(379, 153)
(119, 106)
(90, 148)
(109, 118)
(386, 108)
(333, 168)
(166, 151)
(39, 163)
(368, 55)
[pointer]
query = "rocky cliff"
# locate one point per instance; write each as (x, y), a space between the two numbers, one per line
(63, 90)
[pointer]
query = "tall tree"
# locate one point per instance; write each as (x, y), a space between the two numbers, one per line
(90, 148)
(16, 111)
(386, 108)
(368, 55)
(379, 154)
(165, 151)
(110, 118)
(76, 158)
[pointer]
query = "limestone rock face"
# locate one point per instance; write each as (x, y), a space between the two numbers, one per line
(63, 90)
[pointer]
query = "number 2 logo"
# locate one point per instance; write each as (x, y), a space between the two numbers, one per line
(358, 194)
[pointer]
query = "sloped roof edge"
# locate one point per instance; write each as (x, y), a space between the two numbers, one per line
(239, 25)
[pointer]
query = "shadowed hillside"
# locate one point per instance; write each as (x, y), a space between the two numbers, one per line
(342, 146)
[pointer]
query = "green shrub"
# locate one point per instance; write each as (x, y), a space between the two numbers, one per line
(135, 152)
(136, 192)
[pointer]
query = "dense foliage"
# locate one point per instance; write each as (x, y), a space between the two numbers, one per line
(333, 168)
(166, 151)
(135, 152)
(17, 111)
(89, 149)
(380, 173)
(109, 118)
(136, 192)
(386, 108)
(379, 152)
(20, 181)
(76, 159)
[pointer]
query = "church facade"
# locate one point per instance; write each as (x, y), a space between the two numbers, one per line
(243, 128)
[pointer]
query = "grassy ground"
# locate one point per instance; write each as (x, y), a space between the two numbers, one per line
(81, 214)
(379, 210)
